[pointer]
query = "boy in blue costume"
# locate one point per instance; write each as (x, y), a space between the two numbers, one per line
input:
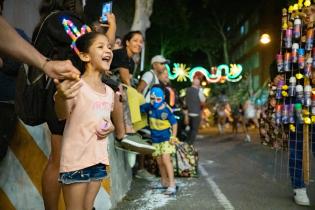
(163, 126)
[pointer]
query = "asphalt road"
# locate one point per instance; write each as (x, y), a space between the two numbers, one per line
(233, 174)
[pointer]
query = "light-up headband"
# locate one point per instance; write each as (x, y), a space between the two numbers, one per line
(74, 33)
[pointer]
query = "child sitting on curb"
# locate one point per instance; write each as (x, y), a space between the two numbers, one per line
(163, 127)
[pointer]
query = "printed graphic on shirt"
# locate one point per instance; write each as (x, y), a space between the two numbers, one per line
(160, 121)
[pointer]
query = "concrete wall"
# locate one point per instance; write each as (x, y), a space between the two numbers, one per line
(22, 14)
(21, 170)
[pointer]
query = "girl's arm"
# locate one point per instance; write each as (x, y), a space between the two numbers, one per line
(64, 97)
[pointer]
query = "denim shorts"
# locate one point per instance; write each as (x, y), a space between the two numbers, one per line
(92, 173)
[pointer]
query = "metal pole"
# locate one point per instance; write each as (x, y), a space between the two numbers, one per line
(142, 58)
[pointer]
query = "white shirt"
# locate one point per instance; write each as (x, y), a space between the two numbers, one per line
(150, 79)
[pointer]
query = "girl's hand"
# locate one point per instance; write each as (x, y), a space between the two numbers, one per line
(104, 132)
(68, 89)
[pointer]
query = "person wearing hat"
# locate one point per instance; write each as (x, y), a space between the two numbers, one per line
(150, 78)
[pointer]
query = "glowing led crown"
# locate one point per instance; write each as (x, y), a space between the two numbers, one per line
(74, 33)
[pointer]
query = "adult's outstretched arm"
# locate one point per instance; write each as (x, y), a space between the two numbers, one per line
(12, 44)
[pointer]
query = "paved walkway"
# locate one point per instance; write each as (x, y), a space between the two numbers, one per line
(233, 175)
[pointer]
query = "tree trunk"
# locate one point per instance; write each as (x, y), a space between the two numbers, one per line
(141, 22)
(143, 11)
(210, 60)
(225, 49)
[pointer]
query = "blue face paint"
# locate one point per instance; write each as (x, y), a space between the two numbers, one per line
(157, 97)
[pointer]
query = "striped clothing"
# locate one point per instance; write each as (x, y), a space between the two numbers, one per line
(160, 121)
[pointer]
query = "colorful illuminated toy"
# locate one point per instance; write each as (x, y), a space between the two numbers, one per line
(74, 33)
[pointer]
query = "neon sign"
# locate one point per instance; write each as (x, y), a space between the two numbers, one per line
(218, 74)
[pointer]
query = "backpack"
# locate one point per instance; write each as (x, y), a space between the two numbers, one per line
(35, 91)
(148, 90)
(150, 85)
(31, 92)
(185, 160)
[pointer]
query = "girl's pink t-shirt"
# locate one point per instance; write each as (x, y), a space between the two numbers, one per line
(89, 111)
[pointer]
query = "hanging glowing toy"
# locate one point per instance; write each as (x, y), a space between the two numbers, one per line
(74, 33)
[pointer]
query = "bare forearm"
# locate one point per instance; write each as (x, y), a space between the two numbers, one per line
(61, 107)
(142, 85)
(12, 44)
(124, 76)
(111, 34)
(174, 130)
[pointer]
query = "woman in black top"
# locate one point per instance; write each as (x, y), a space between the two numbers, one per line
(122, 60)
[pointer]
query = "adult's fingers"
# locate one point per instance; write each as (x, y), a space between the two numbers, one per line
(61, 70)
(75, 73)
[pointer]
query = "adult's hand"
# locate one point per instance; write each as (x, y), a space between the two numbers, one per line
(61, 70)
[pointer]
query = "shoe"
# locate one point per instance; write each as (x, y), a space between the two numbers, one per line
(145, 132)
(144, 174)
(135, 143)
(158, 186)
(170, 191)
(300, 197)
(118, 145)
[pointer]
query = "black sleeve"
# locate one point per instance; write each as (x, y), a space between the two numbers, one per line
(121, 60)
(54, 42)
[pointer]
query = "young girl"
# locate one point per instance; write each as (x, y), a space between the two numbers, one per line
(163, 127)
(86, 105)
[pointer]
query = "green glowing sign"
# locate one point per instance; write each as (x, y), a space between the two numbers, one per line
(218, 74)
